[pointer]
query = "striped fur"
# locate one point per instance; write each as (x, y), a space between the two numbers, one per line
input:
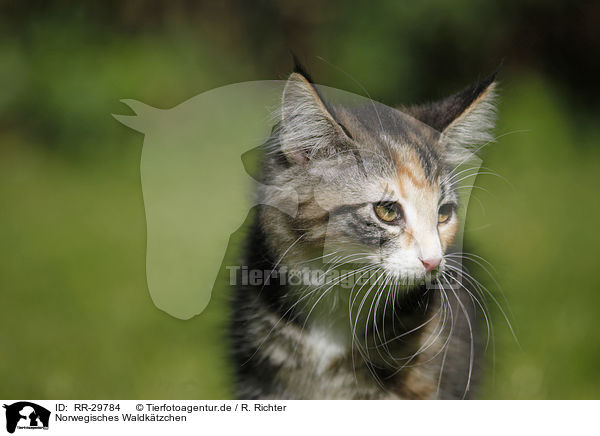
(391, 339)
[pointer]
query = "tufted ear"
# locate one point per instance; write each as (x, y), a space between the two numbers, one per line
(465, 119)
(307, 127)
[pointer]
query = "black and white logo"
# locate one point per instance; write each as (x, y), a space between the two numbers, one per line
(26, 415)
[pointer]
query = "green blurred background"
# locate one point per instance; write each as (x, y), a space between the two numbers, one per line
(76, 319)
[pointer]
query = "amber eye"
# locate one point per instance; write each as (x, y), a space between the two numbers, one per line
(445, 213)
(388, 212)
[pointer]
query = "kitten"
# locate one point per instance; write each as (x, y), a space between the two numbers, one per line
(378, 186)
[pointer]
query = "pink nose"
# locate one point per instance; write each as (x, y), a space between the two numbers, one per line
(431, 264)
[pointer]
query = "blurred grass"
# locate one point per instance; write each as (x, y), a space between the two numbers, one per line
(76, 319)
(538, 230)
(75, 315)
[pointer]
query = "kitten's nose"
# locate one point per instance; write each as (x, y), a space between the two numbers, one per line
(431, 263)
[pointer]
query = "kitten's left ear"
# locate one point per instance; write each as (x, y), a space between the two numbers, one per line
(465, 119)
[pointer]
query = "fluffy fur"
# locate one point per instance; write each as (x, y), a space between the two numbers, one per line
(395, 337)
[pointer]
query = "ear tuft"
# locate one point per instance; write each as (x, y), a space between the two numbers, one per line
(300, 68)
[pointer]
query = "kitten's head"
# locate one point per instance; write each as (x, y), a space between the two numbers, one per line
(377, 184)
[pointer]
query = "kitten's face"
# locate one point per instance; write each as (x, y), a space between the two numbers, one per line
(396, 210)
(374, 183)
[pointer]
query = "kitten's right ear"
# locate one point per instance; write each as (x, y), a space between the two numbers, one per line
(307, 126)
(465, 119)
